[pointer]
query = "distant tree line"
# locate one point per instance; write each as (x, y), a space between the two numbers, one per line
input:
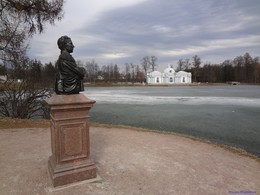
(112, 73)
(31, 71)
(244, 69)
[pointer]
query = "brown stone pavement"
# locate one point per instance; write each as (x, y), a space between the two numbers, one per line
(129, 162)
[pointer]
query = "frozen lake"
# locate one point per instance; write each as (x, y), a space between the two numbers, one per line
(224, 114)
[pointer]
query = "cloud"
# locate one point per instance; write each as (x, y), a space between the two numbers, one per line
(125, 31)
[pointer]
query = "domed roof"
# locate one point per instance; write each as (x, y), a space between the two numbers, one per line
(169, 70)
(183, 73)
(155, 73)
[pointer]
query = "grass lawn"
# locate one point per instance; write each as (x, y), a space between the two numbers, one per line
(9, 123)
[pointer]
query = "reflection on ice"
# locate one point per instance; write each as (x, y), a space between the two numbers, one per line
(137, 97)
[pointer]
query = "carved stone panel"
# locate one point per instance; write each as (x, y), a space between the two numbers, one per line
(73, 142)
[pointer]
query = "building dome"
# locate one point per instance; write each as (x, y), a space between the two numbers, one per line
(169, 70)
(155, 73)
(182, 73)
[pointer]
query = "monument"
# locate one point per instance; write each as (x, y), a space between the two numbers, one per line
(69, 117)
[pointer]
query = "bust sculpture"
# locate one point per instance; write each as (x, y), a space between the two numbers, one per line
(69, 77)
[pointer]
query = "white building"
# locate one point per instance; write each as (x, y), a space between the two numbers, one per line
(169, 76)
(3, 78)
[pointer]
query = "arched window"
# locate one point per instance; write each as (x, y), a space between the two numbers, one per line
(157, 80)
(171, 80)
(183, 79)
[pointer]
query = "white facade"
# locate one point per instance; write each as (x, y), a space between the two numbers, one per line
(3, 78)
(169, 76)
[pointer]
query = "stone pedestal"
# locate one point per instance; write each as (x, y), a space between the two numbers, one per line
(70, 161)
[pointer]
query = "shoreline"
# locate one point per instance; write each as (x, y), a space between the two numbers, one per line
(151, 85)
(123, 84)
(235, 150)
(9, 123)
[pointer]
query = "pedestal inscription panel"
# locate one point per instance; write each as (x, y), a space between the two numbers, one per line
(73, 142)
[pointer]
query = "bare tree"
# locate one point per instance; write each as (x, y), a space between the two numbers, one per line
(139, 74)
(186, 64)
(22, 18)
(153, 64)
(249, 68)
(181, 64)
(19, 15)
(196, 61)
(127, 72)
(48, 73)
(116, 73)
(35, 71)
(92, 69)
(133, 72)
(23, 94)
(145, 62)
(18, 63)
(148, 63)
(23, 100)
(256, 70)
(238, 62)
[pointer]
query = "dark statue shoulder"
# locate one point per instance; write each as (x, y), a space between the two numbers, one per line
(66, 56)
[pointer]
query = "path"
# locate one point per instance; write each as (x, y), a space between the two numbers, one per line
(129, 162)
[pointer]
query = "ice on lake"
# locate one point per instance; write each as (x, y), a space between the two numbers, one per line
(145, 97)
(224, 114)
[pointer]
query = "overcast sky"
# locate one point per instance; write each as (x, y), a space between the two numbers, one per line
(124, 31)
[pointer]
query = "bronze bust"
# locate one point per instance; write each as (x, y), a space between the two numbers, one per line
(69, 77)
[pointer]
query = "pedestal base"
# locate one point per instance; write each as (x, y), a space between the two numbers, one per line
(74, 172)
(70, 160)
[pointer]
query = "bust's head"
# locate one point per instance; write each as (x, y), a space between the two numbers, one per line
(65, 44)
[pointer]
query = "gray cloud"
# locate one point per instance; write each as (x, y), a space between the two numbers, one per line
(171, 30)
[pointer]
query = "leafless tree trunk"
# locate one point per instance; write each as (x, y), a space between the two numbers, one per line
(148, 63)
(153, 64)
(196, 61)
